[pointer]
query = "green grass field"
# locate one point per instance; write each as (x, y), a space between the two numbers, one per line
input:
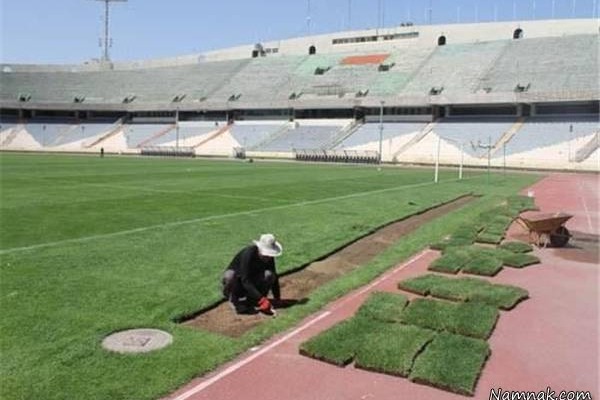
(90, 246)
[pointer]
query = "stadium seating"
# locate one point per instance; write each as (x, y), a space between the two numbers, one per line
(196, 82)
(262, 80)
(81, 132)
(184, 135)
(536, 75)
(538, 65)
(405, 65)
(542, 132)
(472, 131)
(249, 135)
(367, 136)
(302, 136)
(47, 134)
(136, 134)
(458, 68)
(553, 64)
(6, 126)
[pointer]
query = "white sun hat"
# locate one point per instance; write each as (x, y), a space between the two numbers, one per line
(268, 246)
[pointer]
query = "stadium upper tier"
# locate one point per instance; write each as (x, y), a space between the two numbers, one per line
(475, 63)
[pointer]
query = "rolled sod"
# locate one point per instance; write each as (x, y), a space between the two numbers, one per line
(392, 348)
(469, 319)
(385, 307)
(451, 362)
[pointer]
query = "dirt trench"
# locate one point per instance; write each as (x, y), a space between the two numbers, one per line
(297, 285)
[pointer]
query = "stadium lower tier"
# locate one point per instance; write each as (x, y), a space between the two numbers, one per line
(563, 143)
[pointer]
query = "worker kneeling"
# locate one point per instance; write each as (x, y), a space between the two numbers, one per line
(251, 276)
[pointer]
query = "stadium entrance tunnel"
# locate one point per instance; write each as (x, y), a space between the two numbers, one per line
(297, 285)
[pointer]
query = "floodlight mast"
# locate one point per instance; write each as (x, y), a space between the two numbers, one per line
(106, 39)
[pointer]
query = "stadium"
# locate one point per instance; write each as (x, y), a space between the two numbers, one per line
(527, 89)
(435, 189)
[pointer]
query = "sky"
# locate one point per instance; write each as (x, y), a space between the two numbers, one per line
(69, 31)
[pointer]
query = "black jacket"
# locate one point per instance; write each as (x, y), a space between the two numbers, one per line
(250, 269)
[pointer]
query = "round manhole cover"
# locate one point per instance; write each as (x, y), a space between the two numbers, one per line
(137, 341)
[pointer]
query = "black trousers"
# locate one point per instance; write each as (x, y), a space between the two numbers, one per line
(234, 290)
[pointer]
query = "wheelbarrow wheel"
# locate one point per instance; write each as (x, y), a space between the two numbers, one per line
(560, 237)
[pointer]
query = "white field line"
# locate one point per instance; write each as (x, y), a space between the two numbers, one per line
(203, 385)
(200, 193)
(213, 217)
(235, 196)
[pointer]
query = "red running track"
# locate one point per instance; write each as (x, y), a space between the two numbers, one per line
(550, 340)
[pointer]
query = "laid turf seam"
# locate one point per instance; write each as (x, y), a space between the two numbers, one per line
(215, 217)
(421, 351)
(401, 363)
(426, 372)
(378, 228)
(430, 355)
(465, 289)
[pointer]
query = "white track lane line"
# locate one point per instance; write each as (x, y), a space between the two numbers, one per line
(205, 384)
(380, 279)
(213, 217)
(201, 386)
(585, 207)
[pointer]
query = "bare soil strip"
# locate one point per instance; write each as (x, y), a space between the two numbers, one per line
(298, 284)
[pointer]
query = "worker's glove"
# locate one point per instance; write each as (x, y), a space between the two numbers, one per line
(264, 305)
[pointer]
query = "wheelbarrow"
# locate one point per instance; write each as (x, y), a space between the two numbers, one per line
(546, 228)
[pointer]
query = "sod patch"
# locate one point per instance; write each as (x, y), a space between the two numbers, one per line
(338, 344)
(382, 306)
(519, 260)
(421, 284)
(476, 260)
(483, 263)
(517, 203)
(448, 263)
(469, 319)
(489, 226)
(392, 348)
(489, 238)
(502, 220)
(466, 289)
(502, 296)
(516, 247)
(497, 230)
(451, 362)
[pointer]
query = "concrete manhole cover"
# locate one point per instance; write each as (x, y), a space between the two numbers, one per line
(137, 341)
